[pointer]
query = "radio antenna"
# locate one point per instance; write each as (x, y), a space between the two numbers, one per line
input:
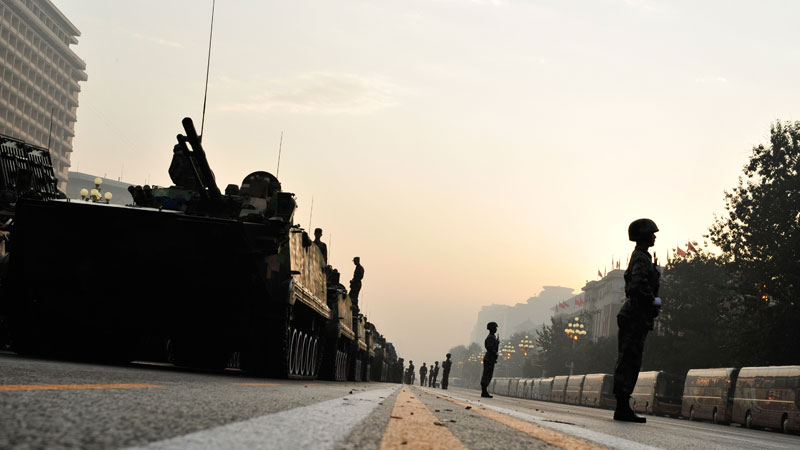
(280, 146)
(208, 69)
(311, 214)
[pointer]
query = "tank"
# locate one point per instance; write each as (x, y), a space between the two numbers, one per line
(340, 335)
(358, 365)
(212, 277)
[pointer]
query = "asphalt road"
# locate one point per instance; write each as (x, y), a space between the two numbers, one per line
(58, 404)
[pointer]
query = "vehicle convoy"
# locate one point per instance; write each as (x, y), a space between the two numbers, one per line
(751, 397)
(210, 277)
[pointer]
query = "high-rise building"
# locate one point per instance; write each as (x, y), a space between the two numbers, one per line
(40, 74)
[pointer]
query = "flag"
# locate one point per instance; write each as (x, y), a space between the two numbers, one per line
(690, 247)
(599, 274)
(681, 253)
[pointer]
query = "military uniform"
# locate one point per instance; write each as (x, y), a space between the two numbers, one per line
(422, 372)
(446, 364)
(635, 319)
(492, 344)
(323, 248)
(434, 374)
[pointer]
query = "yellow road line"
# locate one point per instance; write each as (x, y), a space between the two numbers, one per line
(413, 426)
(552, 437)
(257, 384)
(50, 387)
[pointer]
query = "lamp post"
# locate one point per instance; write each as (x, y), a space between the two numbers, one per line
(574, 331)
(95, 194)
(508, 350)
(525, 345)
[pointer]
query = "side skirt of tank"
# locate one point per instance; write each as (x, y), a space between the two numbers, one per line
(289, 345)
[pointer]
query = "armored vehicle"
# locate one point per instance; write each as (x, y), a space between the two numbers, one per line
(207, 274)
(340, 334)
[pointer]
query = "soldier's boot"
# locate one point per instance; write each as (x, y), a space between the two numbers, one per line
(624, 412)
(485, 393)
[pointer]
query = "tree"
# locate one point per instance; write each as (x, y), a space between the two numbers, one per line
(555, 348)
(701, 313)
(760, 237)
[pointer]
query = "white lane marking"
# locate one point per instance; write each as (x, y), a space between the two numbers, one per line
(572, 430)
(319, 426)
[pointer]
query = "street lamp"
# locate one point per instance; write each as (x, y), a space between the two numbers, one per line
(525, 345)
(508, 349)
(574, 331)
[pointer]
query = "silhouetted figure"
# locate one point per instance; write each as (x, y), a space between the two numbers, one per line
(322, 247)
(355, 283)
(492, 344)
(434, 374)
(446, 364)
(635, 318)
(410, 375)
(422, 372)
(398, 371)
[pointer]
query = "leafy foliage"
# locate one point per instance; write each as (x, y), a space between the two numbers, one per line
(760, 237)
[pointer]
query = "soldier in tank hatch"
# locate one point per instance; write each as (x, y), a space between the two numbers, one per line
(355, 283)
(322, 247)
(446, 364)
(492, 344)
(434, 374)
(422, 372)
(635, 318)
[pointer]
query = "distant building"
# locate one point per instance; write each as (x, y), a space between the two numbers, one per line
(599, 304)
(40, 75)
(522, 317)
(118, 189)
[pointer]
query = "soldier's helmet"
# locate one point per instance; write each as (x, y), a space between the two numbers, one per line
(448, 355)
(641, 228)
(491, 325)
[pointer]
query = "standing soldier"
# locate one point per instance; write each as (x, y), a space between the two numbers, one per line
(492, 344)
(446, 371)
(422, 372)
(355, 283)
(434, 374)
(410, 375)
(635, 318)
(322, 247)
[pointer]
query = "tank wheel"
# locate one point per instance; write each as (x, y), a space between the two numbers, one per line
(302, 355)
(691, 414)
(310, 356)
(714, 418)
(748, 420)
(291, 353)
(785, 424)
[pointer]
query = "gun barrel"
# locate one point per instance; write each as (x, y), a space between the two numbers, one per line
(204, 170)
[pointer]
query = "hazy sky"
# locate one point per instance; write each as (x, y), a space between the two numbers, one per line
(470, 151)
